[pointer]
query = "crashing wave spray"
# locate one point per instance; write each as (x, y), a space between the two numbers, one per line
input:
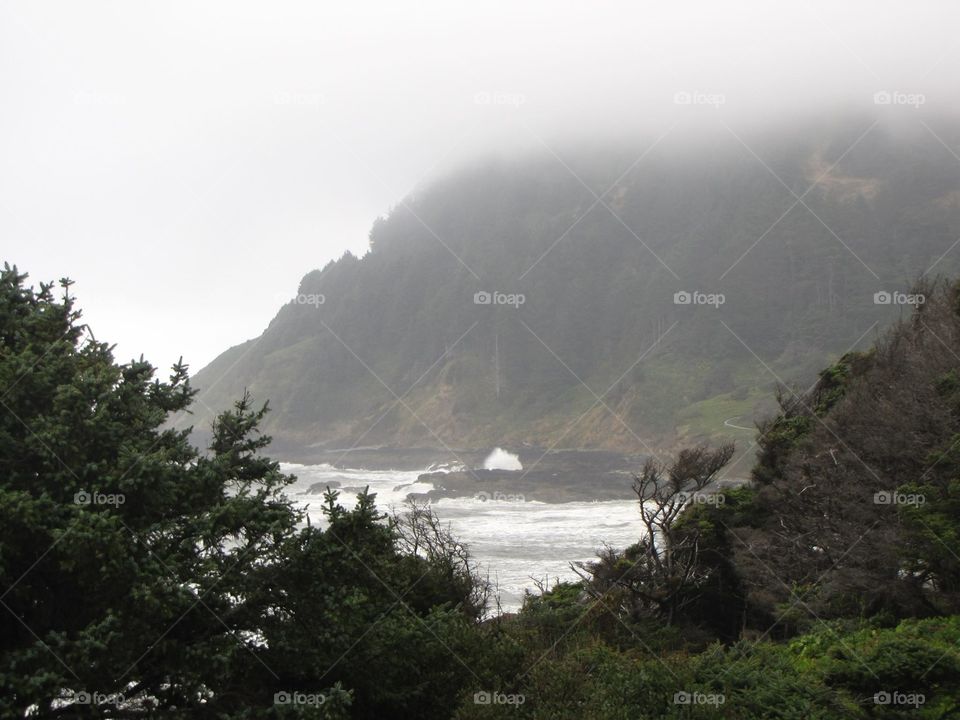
(500, 459)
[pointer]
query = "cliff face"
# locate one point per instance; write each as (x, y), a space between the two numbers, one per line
(509, 305)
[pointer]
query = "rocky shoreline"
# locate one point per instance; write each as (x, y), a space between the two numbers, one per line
(537, 486)
(554, 476)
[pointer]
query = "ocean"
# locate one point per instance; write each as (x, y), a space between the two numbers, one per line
(514, 541)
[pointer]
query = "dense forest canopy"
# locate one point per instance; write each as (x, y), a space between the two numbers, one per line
(144, 577)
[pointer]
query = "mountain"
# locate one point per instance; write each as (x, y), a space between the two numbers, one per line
(541, 300)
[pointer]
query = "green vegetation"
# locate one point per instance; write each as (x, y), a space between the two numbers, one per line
(597, 298)
(142, 577)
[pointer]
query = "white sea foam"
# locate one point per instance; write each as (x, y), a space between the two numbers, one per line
(516, 542)
(500, 459)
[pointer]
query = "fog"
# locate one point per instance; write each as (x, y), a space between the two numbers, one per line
(186, 164)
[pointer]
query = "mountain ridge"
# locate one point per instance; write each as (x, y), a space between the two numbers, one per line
(797, 233)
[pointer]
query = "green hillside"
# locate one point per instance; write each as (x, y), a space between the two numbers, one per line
(392, 348)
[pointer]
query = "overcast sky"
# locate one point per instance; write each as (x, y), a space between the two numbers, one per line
(188, 163)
